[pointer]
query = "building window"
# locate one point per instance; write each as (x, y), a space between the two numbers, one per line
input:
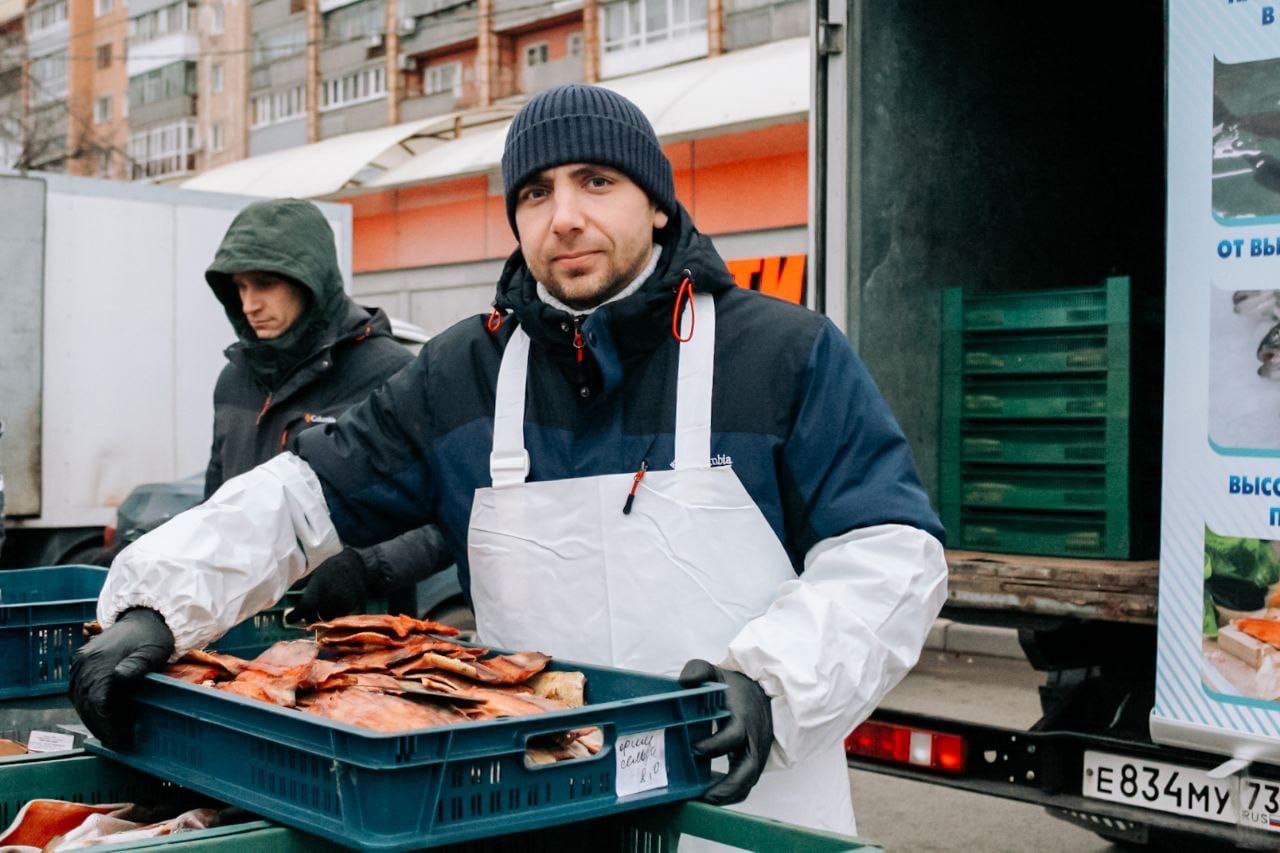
(535, 54)
(635, 23)
(46, 17)
(102, 109)
(49, 78)
(279, 44)
(575, 45)
(104, 56)
(166, 150)
(170, 81)
(358, 20)
(174, 18)
(101, 7)
(215, 78)
(262, 111)
(366, 84)
(217, 19)
(278, 106)
(443, 78)
(217, 137)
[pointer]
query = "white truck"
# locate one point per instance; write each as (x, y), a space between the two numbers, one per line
(110, 344)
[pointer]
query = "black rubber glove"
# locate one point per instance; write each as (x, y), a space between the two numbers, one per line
(139, 642)
(337, 587)
(746, 736)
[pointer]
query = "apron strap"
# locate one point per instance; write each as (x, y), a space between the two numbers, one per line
(509, 461)
(693, 384)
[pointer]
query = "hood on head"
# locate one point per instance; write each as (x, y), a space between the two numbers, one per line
(289, 237)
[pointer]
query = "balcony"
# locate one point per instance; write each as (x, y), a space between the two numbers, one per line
(426, 106)
(549, 74)
(173, 47)
(169, 109)
(273, 137)
(442, 28)
(509, 14)
(349, 119)
(747, 24)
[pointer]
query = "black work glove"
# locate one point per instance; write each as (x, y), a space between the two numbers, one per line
(101, 672)
(746, 736)
(337, 587)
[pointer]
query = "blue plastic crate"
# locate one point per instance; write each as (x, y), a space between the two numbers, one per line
(257, 632)
(429, 787)
(268, 627)
(42, 614)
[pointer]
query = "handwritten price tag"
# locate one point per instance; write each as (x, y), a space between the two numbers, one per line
(50, 742)
(642, 762)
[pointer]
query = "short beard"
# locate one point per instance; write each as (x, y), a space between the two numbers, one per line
(616, 285)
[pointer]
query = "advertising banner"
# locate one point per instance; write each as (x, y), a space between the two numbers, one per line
(1218, 676)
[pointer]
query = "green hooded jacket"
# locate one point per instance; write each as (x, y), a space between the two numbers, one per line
(331, 358)
(291, 238)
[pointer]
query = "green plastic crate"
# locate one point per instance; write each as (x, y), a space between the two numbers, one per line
(1037, 409)
(1046, 309)
(1036, 398)
(1037, 444)
(655, 830)
(91, 778)
(1008, 487)
(1055, 352)
(1052, 534)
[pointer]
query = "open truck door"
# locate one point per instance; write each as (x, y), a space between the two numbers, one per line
(1006, 152)
(1218, 669)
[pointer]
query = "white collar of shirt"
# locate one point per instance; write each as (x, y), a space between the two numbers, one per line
(545, 295)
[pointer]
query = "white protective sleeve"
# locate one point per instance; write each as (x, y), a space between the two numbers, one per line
(839, 637)
(234, 555)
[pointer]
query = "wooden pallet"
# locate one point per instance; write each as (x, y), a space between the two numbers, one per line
(1114, 590)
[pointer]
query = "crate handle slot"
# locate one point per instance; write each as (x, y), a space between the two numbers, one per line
(1087, 358)
(983, 446)
(544, 739)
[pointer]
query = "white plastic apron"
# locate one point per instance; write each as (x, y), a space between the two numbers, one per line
(558, 567)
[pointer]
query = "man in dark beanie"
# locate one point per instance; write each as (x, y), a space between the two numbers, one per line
(646, 467)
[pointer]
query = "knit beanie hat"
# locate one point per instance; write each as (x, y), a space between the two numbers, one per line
(577, 123)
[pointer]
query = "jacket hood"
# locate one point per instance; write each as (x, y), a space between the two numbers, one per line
(640, 321)
(288, 237)
(354, 322)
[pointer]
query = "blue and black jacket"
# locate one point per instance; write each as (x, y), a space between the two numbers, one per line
(793, 410)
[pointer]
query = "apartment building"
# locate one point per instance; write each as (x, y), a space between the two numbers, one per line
(164, 89)
(162, 63)
(48, 82)
(13, 85)
(277, 108)
(222, 87)
(97, 101)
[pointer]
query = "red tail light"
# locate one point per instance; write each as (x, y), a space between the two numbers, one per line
(907, 745)
(108, 537)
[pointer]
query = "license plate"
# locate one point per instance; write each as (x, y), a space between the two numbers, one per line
(1260, 803)
(1165, 787)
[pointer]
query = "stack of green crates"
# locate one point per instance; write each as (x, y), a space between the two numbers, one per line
(1035, 441)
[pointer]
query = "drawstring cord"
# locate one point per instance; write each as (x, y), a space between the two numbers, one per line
(494, 323)
(683, 294)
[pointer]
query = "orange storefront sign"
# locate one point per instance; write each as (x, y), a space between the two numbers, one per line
(783, 277)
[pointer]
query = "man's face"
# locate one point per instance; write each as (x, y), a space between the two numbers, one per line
(586, 231)
(271, 303)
